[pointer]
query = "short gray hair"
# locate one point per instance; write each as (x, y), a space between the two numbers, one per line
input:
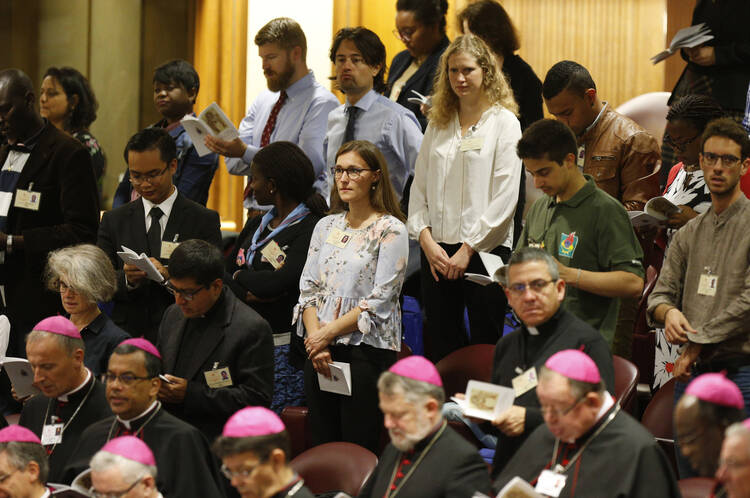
(85, 268)
(415, 391)
(738, 429)
(130, 470)
(69, 344)
(529, 254)
(21, 454)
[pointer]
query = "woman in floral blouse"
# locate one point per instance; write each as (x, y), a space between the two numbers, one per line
(349, 309)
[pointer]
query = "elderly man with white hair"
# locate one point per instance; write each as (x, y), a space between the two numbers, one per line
(734, 464)
(23, 464)
(125, 467)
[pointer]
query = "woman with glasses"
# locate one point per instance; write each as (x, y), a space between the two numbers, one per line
(464, 195)
(348, 308)
(83, 275)
(420, 25)
(265, 267)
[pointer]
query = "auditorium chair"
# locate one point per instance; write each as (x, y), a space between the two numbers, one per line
(335, 467)
(626, 382)
(657, 418)
(649, 110)
(644, 341)
(697, 487)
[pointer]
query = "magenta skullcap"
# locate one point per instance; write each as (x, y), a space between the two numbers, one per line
(58, 325)
(575, 365)
(717, 389)
(417, 368)
(142, 344)
(18, 434)
(132, 448)
(253, 421)
(746, 423)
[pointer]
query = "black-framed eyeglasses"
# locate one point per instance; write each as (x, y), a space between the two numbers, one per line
(352, 173)
(535, 286)
(242, 473)
(556, 412)
(187, 294)
(727, 160)
(691, 437)
(113, 494)
(679, 145)
(147, 177)
(125, 379)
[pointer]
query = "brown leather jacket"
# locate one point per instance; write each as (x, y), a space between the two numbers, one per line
(622, 158)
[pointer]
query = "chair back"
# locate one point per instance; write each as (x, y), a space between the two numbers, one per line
(335, 467)
(657, 418)
(626, 382)
(461, 366)
(697, 487)
(298, 427)
(649, 110)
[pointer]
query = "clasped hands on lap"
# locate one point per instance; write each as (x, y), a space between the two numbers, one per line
(451, 268)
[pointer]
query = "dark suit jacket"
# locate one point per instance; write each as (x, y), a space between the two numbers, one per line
(420, 81)
(237, 338)
(140, 310)
(60, 170)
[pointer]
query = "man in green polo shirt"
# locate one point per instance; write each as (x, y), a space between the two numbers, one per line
(581, 226)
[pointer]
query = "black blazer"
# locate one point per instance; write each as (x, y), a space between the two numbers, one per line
(237, 338)
(60, 170)
(420, 81)
(140, 310)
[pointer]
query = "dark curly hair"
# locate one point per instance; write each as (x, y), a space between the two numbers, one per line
(76, 84)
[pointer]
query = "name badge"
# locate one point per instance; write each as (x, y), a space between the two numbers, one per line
(52, 434)
(550, 483)
(525, 382)
(581, 157)
(273, 254)
(338, 238)
(28, 199)
(167, 248)
(707, 284)
(219, 377)
(471, 143)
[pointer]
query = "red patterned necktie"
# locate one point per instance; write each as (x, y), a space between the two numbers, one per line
(265, 139)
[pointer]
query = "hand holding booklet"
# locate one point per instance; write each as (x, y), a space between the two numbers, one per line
(655, 213)
(689, 37)
(495, 269)
(212, 121)
(130, 257)
(484, 400)
(518, 488)
(340, 381)
(21, 376)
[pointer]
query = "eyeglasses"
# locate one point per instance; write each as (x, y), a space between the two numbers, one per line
(146, 177)
(62, 287)
(536, 286)
(187, 294)
(680, 146)
(405, 35)
(5, 477)
(113, 494)
(727, 160)
(690, 437)
(352, 173)
(556, 412)
(125, 379)
(243, 473)
(733, 464)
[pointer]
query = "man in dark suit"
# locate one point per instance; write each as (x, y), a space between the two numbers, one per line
(217, 351)
(154, 224)
(48, 200)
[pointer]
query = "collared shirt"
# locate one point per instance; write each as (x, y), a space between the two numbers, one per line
(590, 231)
(715, 245)
(393, 129)
(101, 337)
(166, 208)
(471, 195)
(148, 410)
(64, 397)
(302, 120)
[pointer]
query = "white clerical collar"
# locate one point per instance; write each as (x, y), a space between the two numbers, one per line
(533, 330)
(165, 206)
(64, 397)
(46, 494)
(127, 423)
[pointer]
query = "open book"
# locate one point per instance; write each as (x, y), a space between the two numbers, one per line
(518, 488)
(212, 121)
(484, 400)
(495, 268)
(689, 37)
(130, 257)
(655, 213)
(21, 376)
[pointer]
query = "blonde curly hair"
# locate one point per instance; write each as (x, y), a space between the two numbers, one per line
(496, 88)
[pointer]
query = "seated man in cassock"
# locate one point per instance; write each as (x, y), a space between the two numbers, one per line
(23, 463)
(734, 465)
(711, 403)
(71, 398)
(218, 352)
(425, 457)
(186, 466)
(535, 291)
(124, 467)
(254, 449)
(588, 447)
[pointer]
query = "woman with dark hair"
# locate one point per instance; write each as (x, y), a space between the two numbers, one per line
(488, 20)
(68, 102)
(348, 308)
(266, 265)
(420, 25)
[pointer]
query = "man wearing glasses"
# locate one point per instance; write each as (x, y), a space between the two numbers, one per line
(153, 224)
(125, 467)
(23, 464)
(218, 352)
(133, 382)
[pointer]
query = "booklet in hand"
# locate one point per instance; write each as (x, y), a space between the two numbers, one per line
(484, 400)
(689, 37)
(655, 213)
(21, 376)
(340, 381)
(212, 121)
(518, 488)
(130, 257)
(495, 269)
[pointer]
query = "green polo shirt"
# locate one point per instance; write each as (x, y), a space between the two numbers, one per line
(591, 231)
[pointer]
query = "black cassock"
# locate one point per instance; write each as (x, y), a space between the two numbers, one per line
(450, 468)
(93, 409)
(622, 461)
(186, 466)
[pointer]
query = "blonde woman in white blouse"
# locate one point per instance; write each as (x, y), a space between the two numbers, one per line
(464, 194)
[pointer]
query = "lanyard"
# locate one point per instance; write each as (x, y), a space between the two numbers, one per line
(437, 435)
(297, 214)
(559, 469)
(78, 408)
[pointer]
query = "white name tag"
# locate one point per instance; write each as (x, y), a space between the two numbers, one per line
(52, 434)
(28, 199)
(550, 483)
(525, 382)
(219, 377)
(581, 157)
(167, 248)
(338, 238)
(707, 284)
(273, 254)
(471, 143)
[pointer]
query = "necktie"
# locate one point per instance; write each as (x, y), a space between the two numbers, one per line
(352, 112)
(154, 232)
(265, 139)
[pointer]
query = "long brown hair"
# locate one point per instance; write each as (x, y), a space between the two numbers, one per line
(382, 197)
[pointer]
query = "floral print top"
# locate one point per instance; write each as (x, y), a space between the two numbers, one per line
(363, 267)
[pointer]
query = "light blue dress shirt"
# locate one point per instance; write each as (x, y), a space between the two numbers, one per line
(390, 126)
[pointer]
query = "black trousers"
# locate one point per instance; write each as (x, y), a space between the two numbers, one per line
(356, 418)
(444, 303)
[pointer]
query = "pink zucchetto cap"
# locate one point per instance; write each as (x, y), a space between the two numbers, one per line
(253, 421)
(417, 368)
(717, 389)
(746, 423)
(132, 448)
(142, 344)
(575, 365)
(18, 434)
(58, 325)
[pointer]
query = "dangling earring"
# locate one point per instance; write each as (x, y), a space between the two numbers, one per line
(373, 186)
